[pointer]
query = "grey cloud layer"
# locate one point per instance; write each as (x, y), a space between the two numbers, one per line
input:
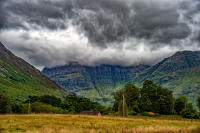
(107, 24)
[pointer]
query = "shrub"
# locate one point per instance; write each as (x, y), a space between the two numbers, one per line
(4, 104)
(189, 113)
(132, 113)
(38, 107)
(150, 114)
(157, 114)
(17, 108)
(116, 114)
(196, 115)
(58, 110)
(47, 99)
(145, 113)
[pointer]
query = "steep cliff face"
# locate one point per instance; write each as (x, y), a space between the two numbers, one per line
(98, 83)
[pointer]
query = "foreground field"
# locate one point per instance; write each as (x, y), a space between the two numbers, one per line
(47, 123)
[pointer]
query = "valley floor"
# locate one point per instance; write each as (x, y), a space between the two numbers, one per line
(51, 123)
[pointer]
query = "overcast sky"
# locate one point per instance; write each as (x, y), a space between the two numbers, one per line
(92, 32)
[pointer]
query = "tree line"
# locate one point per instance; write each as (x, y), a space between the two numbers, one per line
(50, 104)
(152, 98)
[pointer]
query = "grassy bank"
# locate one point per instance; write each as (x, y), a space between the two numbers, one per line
(49, 123)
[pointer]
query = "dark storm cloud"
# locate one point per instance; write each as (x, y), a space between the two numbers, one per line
(109, 25)
(103, 21)
(43, 13)
(2, 22)
(111, 21)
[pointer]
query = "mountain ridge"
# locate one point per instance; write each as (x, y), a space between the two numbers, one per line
(19, 79)
(171, 72)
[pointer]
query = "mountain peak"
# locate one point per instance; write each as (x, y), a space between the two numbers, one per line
(186, 53)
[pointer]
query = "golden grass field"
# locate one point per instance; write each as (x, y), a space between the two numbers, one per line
(51, 123)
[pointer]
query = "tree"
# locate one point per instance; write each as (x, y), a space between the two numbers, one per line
(189, 112)
(198, 102)
(165, 101)
(180, 104)
(17, 108)
(76, 104)
(148, 93)
(52, 100)
(4, 104)
(38, 107)
(156, 99)
(131, 94)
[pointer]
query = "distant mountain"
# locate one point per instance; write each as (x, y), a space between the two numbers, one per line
(98, 83)
(180, 73)
(19, 79)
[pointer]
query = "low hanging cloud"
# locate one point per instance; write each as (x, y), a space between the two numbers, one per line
(92, 32)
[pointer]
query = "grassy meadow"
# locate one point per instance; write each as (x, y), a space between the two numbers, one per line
(51, 123)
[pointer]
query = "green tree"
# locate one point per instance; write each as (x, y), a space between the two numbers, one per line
(198, 102)
(52, 100)
(76, 104)
(132, 97)
(180, 104)
(156, 99)
(165, 101)
(17, 108)
(131, 94)
(148, 93)
(4, 104)
(38, 107)
(189, 112)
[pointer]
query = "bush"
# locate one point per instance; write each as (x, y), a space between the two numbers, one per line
(132, 113)
(47, 99)
(115, 114)
(196, 115)
(190, 114)
(4, 104)
(150, 114)
(157, 114)
(58, 110)
(17, 108)
(145, 113)
(38, 107)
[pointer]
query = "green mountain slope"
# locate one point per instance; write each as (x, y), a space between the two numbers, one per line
(19, 79)
(180, 73)
(98, 83)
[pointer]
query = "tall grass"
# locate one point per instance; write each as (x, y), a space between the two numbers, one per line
(43, 123)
